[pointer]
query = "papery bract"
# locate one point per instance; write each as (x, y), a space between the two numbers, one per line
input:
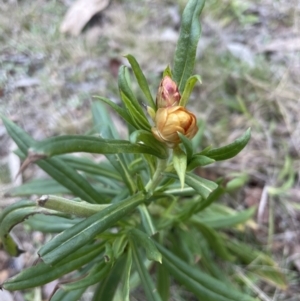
(168, 94)
(171, 120)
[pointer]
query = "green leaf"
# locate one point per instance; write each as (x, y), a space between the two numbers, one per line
(187, 143)
(218, 221)
(85, 231)
(109, 285)
(202, 186)
(126, 276)
(188, 89)
(179, 162)
(199, 160)
(95, 275)
(61, 295)
(237, 182)
(201, 284)
(86, 165)
(141, 80)
(146, 220)
(119, 246)
(167, 72)
(50, 223)
(196, 141)
(163, 282)
(139, 119)
(15, 206)
(132, 105)
(190, 31)
(68, 177)
(199, 290)
(102, 118)
(118, 161)
(149, 288)
(258, 263)
(55, 167)
(14, 215)
(39, 187)
(79, 143)
(122, 112)
(147, 243)
(71, 207)
(10, 246)
(215, 241)
(230, 150)
(214, 196)
(43, 273)
(147, 139)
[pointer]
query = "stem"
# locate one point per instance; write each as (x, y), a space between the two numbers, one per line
(80, 209)
(152, 184)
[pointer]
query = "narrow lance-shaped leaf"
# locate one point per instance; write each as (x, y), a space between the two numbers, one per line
(215, 241)
(118, 161)
(230, 150)
(62, 295)
(55, 167)
(147, 139)
(141, 80)
(199, 160)
(78, 143)
(190, 31)
(163, 282)
(14, 215)
(43, 273)
(86, 165)
(187, 143)
(203, 186)
(258, 263)
(72, 207)
(126, 276)
(147, 243)
(125, 90)
(214, 196)
(202, 284)
(85, 231)
(96, 274)
(188, 89)
(39, 187)
(226, 220)
(122, 112)
(179, 161)
(139, 119)
(146, 220)
(109, 285)
(147, 282)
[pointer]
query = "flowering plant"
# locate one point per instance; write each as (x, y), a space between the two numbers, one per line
(143, 211)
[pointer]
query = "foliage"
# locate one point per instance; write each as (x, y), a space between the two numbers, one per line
(143, 211)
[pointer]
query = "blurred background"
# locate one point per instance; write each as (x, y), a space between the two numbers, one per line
(56, 55)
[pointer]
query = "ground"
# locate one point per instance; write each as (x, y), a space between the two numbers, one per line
(248, 59)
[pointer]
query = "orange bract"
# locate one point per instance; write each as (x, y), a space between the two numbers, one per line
(171, 120)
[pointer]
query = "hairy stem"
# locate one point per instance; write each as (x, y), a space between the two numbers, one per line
(77, 208)
(160, 168)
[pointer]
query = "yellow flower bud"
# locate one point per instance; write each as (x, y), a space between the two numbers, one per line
(169, 121)
(168, 94)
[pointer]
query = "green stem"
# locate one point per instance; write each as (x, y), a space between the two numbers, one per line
(160, 168)
(77, 208)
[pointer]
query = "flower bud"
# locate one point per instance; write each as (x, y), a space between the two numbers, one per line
(168, 94)
(171, 120)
